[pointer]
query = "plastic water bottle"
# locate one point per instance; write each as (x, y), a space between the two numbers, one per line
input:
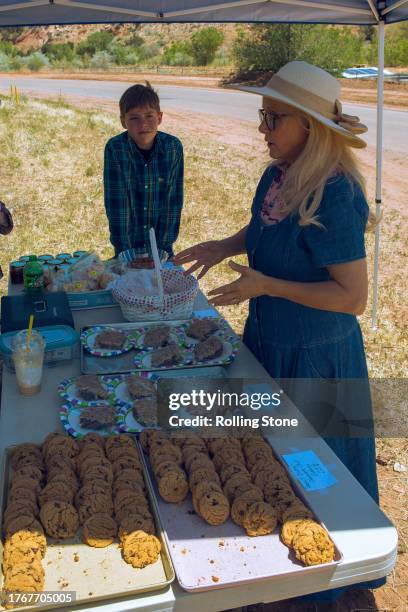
(33, 275)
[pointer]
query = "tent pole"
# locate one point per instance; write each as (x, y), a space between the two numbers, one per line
(379, 152)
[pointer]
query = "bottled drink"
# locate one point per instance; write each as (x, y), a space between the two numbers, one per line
(33, 275)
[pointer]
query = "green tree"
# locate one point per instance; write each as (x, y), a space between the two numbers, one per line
(101, 60)
(204, 45)
(59, 52)
(97, 41)
(269, 47)
(178, 54)
(36, 61)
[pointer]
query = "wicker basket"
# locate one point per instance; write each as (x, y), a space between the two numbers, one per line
(180, 291)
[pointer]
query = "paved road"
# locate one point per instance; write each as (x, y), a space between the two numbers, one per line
(212, 101)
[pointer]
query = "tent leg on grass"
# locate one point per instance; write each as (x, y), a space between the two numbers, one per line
(379, 153)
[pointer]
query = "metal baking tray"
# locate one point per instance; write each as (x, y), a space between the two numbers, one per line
(90, 364)
(207, 557)
(95, 574)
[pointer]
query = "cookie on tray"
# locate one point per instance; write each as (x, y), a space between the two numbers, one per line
(173, 486)
(60, 519)
(17, 493)
(312, 544)
(26, 454)
(91, 437)
(95, 504)
(56, 490)
(19, 508)
(214, 507)
(56, 443)
(29, 534)
(240, 507)
(140, 521)
(141, 549)
(99, 530)
(229, 470)
(259, 519)
(200, 489)
(29, 471)
(19, 553)
(24, 482)
(24, 577)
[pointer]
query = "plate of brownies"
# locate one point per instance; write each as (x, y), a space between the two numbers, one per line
(156, 336)
(106, 341)
(78, 421)
(170, 356)
(134, 387)
(87, 390)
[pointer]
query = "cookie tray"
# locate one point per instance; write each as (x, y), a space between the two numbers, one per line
(207, 557)
(125, 362)
(94, 574)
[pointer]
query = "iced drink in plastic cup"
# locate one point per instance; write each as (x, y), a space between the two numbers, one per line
(28, 357)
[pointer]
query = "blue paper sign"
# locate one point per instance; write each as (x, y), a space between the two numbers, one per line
(209, 312)
(308, 469)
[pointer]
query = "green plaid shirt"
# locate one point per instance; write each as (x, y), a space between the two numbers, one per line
(140, 195)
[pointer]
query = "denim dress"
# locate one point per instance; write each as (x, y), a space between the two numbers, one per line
(293, 341)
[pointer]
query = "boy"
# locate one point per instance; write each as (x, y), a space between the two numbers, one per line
(143, 176)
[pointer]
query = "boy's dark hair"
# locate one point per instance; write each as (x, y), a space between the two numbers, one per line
(139, 95)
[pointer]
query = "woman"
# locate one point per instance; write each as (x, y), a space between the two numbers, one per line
(307, 274)
(6, 224)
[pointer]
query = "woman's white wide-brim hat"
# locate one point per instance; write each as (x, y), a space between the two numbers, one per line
(316, 92)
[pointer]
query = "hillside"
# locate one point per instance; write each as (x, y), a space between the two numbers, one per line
(34, 38)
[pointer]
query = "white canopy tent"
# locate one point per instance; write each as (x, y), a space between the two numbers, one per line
(347, 12)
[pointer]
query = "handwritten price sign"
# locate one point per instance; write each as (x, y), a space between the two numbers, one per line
(307, 468)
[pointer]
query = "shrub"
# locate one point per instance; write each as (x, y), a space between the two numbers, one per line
(204, 45)
(98, 41)
(102, 60)
(36, 61)
(4, 62)
(178, 54)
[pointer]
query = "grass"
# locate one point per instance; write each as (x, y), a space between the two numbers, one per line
(51, 162)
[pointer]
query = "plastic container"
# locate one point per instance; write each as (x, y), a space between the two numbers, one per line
(60, 344)
(45, 258)
(28, 357)
(16, 269)
(33, 275)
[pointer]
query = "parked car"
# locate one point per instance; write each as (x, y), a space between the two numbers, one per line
(365, 73)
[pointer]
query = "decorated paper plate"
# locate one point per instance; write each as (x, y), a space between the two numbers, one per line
(121, 393)
(68, 391)
(230, 349)
(176, 336)
(130, 424)
(223, 333)
(143, 361)
(88, 339)
(70, 419)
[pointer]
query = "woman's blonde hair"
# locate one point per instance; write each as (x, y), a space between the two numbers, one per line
(325, 153)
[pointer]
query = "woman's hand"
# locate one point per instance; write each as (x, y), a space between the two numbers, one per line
(249, 285)
(205, 255)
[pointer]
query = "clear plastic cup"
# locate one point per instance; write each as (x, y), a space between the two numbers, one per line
(28, 357)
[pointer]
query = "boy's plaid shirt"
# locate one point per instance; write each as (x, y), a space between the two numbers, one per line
(140, 195)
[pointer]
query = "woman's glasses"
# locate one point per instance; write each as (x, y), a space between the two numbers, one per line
(270, 119)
